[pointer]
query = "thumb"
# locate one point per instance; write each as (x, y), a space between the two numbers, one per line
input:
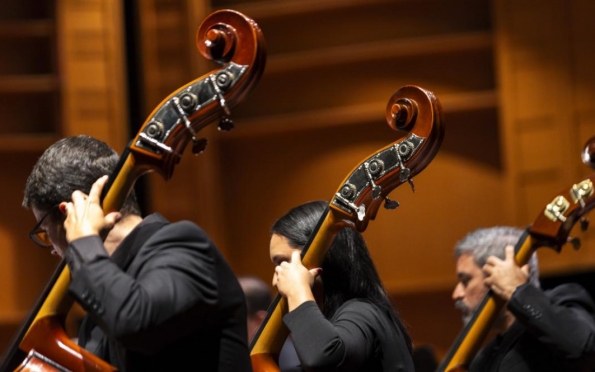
(525, 269)
(112, 218)
(315, 272)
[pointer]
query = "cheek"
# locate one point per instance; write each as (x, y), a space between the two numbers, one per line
(477, 292)
(58, 238)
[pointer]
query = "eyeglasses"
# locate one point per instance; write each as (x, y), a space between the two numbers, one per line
(40, 236)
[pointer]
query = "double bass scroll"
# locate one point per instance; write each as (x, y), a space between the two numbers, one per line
(417, 115)
(230, 39)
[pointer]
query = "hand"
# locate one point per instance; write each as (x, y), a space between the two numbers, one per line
(294, 281)
(84, 215)
(504, 276)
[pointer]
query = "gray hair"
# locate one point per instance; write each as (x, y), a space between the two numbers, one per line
(485, 242)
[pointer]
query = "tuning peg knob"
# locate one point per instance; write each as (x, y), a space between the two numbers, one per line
(584, 224)
(226, 124)
(390, 204)
(576, 243)
(199, 145)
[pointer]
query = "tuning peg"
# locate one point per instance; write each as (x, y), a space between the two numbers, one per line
(410, 181)
(226, 124)
(390, 204)
(405, 176)
(584, 224)
(199, 145)
(576, 243)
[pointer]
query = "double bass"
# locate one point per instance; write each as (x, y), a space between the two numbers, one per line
(550, 229)
(417, 114)
(226, 37)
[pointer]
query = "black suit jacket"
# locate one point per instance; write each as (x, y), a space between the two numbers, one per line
(165, 299)
(554, 331)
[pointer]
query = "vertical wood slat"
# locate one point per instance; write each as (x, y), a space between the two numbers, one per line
(92, 68)
(193, 192)
(535, 94)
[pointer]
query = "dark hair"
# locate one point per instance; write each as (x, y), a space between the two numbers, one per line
(348, 271)
(72, 163)
(257, 292)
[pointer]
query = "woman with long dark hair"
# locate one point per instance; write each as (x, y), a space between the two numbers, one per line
(340, 316)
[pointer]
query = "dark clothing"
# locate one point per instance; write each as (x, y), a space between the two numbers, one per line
(359, 337)
(553, 331)
(288, 359)
(166, 298)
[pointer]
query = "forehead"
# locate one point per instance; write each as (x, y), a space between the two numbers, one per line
(279, 247)
(466, 265)
(38, 213)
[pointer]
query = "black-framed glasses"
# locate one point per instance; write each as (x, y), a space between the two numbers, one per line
(39, 235)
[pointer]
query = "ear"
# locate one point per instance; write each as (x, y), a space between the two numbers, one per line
(62, 207)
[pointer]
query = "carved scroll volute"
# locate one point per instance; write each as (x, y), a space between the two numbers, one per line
(588, 154)
(417, 114)
(231, 40)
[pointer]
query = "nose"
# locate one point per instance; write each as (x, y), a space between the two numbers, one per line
(458, 293)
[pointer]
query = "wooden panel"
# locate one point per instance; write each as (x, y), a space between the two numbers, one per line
(540, 148)
(24, 266)
(430, 318)
(536, 95)
(535, 89)
(27, 55)
(375, 80)
(92, 55)
(538, 189)
(28, 113)
(583, 36)
(341, 23)
(19, 10)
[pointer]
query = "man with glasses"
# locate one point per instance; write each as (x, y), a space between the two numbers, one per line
(157, 294)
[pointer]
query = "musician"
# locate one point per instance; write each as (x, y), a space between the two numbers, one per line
(258, 298)
(538, 330)
(158, 295)
(340, 316)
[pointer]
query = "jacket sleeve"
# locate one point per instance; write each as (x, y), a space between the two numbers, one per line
(563, 319)
(343, 345)
(173, 290)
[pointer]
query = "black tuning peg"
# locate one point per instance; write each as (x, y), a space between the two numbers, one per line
(576, 243)
(390, 204)
(226, 124)
(584, 224)
(199, 145)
